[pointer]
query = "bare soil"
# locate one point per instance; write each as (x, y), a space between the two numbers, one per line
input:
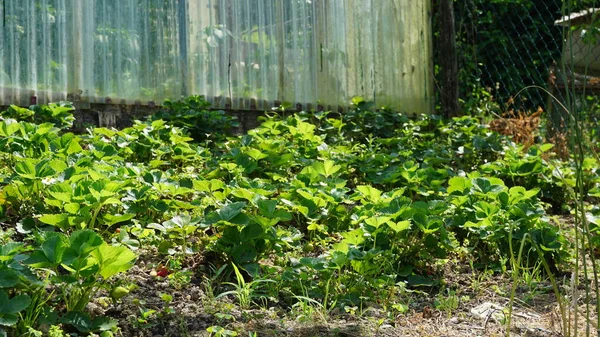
(192, 311)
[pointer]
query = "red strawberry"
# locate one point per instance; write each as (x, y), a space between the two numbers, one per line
(162, 272)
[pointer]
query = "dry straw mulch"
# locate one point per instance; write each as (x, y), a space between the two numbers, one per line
(520, 126)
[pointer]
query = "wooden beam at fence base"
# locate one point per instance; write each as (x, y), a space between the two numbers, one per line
(26, 97)
(448, 59)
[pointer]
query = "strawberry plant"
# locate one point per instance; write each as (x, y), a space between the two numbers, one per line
(88, 260)
(338, 210)
(193, 115)
(9, 310)
(488, 214)
(59, 114)
(176, 233)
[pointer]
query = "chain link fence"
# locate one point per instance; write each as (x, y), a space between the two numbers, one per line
(504, 46)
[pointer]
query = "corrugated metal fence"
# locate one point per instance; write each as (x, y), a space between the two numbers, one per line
(240, 54)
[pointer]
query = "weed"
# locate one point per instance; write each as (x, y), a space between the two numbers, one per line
(244, 291)
(447, 302)
(217, 331)
(309, 310)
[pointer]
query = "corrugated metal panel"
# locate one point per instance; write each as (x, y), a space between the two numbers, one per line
(241, 54)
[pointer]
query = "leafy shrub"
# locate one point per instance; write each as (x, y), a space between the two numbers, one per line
(489, 217)
(78, 266)
(59, 114)
(192, 114)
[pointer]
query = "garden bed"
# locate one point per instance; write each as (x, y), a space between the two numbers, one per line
(369, 223)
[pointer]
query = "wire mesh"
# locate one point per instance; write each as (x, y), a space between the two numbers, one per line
(505, 46)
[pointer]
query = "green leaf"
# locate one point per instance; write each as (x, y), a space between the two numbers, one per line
(44, 169)
(310, 196)
(61, 196)
(399, 226)
(420, 281)
(231, 236)
(355, 237)
(166, 297)
(8, 127)
(79, 320)
(242, 254)
(57, 166)
(427, 224)
(74, 147)
(54, 247)
(251, 232)
(216, 185)
(157, 226)
(11, 248)
(370, 193)
(357, 100)
(8, 320)
(82, 243)
(484, 185)
(458, 184)
(420, 219)
(526, 168)
(546, 147)
(255, 154)
(485, 209)
(503, 197)
(316, 263)
(244, 193)
(481, 224)
(113, 259)
(57, 220)
(103, 323)
(231, 211)
(26, 168)
(8, 278)
(267, 207)
(316, 227)
(377, 221)
(110, 219)
(519, 193)
(249, 164)
(12, 306)
(264, 221)
(326, 168)
(72, 208)
(341, 248)
(16, 304)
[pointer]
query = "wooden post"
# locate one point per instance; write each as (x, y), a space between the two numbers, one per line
(448, 59)
(76, 51)
(280, 37)
(183, 47)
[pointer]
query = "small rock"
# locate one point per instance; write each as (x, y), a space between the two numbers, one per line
(454, 320)
(95, 309)
(487, 309)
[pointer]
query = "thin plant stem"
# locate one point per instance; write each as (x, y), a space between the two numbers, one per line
(515, 275)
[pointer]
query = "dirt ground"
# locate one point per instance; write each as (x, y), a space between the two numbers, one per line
(483, 299)
(191, 311)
